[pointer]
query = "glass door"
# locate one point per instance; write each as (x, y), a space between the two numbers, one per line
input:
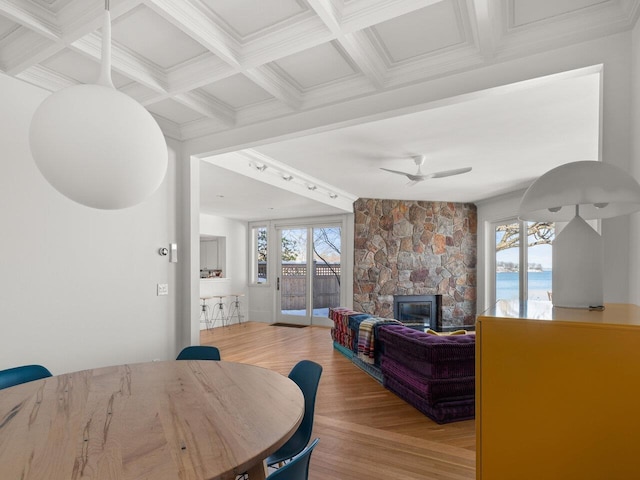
(292, 283)
(309, 273)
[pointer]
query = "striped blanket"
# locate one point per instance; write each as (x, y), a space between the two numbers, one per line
(367, 338)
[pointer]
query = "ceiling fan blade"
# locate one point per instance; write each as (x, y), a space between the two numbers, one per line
(449, 173)
(395, 171)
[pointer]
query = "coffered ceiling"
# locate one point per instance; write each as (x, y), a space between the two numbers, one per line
(205, 67)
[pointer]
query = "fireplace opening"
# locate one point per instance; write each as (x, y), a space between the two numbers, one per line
(418, 311)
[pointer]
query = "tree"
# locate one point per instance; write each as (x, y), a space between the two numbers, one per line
(290, 247)
(330, 239)
(539, 233)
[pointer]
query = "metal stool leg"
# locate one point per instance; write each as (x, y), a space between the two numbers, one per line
(218, 311)
(235, 310)
(205, 312)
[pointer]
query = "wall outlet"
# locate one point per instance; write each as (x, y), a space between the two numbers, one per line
(163, 289)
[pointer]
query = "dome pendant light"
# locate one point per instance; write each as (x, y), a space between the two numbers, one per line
(96, 145)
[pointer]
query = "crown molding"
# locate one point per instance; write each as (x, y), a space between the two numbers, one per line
(208, 106)
(169, 128)
(44, 78)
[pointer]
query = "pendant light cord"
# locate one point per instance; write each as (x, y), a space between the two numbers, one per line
(104, 78)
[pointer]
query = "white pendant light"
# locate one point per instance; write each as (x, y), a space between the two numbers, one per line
(96, 145)
(577, 191)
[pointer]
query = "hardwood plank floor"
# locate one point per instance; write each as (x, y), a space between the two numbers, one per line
(366, 432)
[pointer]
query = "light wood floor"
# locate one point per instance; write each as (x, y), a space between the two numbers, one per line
(366, 432)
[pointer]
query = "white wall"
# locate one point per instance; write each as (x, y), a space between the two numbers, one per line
(78, 285)
(235, 270)
(634, 224)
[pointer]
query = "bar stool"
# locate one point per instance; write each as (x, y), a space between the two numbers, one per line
(205, 310)
(235, 310)
(218, 311)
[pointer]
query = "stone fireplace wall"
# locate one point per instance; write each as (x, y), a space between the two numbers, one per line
(415, 248)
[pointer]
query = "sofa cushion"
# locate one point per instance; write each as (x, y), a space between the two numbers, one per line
(429, 348)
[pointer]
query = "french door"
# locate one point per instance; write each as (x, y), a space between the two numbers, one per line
(308, 272)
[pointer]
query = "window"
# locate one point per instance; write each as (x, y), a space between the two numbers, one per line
(259, 249)
(519, 244)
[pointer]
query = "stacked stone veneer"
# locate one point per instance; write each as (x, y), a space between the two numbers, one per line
(415, 248)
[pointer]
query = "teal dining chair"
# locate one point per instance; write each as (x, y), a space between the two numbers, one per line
(199, 352)
(23, 374)
(306, 374)
(298, 467)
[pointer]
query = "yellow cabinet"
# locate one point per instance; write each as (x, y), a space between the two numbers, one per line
(558, 393)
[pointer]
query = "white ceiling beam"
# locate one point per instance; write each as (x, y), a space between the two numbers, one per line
(360, 14)
(31, 16)
(365, 56)
(196, 23)
(482, 25)
(198, 72)
(123, 62)
(27, 50)
(355, 44)
(207, 106)
(275, 85)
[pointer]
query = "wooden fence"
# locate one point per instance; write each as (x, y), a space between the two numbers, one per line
(293, 286)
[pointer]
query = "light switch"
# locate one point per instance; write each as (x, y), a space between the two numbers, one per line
(163, 289)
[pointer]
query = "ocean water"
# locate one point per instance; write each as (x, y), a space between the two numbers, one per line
(507, 285)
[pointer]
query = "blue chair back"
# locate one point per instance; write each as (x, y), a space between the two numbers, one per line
(199, 352)
(306, 374)
(298, 467)
(24, 374)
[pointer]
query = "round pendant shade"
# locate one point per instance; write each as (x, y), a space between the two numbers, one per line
(600, 189)
(98, 147)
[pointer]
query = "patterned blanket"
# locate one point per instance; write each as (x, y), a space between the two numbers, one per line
(367, 338)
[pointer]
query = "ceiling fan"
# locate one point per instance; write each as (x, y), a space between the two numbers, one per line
(420, 177)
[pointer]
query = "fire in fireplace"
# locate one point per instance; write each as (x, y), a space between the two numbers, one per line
(418, 311)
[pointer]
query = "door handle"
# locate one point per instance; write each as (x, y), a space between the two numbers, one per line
(278, 283)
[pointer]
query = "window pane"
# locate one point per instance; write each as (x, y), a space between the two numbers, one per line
(507, 262)
(540, 235)
(326, 267)
(260, 254)
(293, 280)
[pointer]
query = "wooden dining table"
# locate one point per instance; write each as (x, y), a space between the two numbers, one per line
(158, 420)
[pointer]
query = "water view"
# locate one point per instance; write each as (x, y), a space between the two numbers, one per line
(539, 285)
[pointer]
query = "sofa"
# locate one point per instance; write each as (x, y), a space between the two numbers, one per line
(434, 373)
